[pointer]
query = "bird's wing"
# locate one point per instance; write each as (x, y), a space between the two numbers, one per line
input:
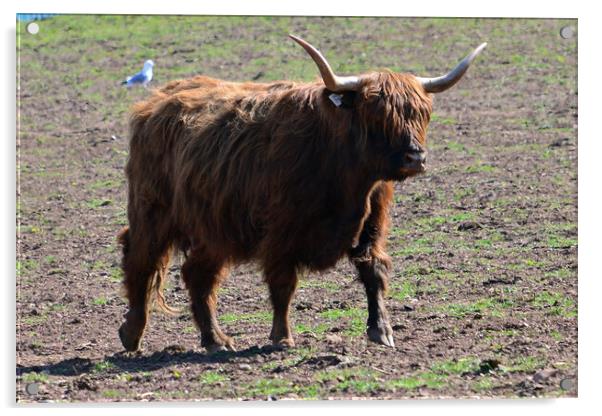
(138, 78)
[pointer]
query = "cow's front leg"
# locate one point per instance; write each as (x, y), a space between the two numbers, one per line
(373, 263)
(374, 275)
(282, 286)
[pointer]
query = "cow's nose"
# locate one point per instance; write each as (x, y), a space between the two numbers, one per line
(416, 157)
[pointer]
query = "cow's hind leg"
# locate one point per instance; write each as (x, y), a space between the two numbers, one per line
(144, 267)
(282, 285)
(373, 264)
(203, 275)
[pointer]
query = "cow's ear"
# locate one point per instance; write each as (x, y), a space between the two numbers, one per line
(348, 99)
(343, 100)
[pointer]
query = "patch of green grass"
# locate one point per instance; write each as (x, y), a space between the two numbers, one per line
(35, 377)
(534, 263)
(356, 327)
(431, 221)
(422, 379)
(50, 260)
(559, 180)
(482, 384)
(525, 365)
(32, 229)
(262, 316)
(557, 241)
(36, 319)
(60, 233)
(556, 335)
(481, 167)
(354, 318)
(462, 216)
(517, 59)
(99, 265)
(359, 386)
(438, 375)
(358, 380)
(269, 387)
(26, 266)
(120, 217)
(456, 367)
(463, 193)
(502, 333)
(103, 367)
(436, 118)
(398, 232)
(555, 303)
(212, 377)
(190, 329)
(453, 217)
(482, 243)
(106, 184)
(547, 153)
(455, 146)
(111, 394)
(403, 291)
(485, 242)
(125, 377)
(57, 307)
(100, 301)
(319, 329)
(98, 202)
(116, 274)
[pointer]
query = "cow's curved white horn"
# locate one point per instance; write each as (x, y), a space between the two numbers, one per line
(332, 81)
(446, 81)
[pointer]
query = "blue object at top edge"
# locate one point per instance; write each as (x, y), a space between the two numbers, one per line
(26, 17)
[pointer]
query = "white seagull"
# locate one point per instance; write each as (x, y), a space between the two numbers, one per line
(141, 78)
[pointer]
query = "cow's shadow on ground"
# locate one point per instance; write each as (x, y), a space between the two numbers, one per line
(136, 362)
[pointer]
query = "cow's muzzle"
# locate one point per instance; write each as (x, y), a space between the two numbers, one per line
(415, 161)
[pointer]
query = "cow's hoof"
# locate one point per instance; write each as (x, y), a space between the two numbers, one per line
(382, 335)
(284, 343)
(220, 342)
(130, 342)
(214, 348)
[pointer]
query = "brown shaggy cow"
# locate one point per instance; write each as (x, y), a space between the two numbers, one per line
(290, 175)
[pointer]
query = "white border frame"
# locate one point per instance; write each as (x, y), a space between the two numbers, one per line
(589, 149)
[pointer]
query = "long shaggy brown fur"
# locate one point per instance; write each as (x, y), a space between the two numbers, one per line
(269, 172)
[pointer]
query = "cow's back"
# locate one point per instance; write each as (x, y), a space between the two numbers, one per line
(197, 150)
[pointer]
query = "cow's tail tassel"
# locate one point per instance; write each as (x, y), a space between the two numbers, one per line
(158, 285)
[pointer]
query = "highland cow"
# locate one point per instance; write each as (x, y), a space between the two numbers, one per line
(293, 176)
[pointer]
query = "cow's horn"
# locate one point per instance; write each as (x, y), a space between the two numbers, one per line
(332, 81)
(446, 81)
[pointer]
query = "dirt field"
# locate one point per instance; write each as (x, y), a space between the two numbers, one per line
(483, 296)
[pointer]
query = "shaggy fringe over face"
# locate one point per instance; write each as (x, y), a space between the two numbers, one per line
(395, 103)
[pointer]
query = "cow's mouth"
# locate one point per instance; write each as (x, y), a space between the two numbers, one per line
(411, 171)
(413, 163)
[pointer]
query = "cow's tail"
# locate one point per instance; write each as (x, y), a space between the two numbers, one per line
(156, 284)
